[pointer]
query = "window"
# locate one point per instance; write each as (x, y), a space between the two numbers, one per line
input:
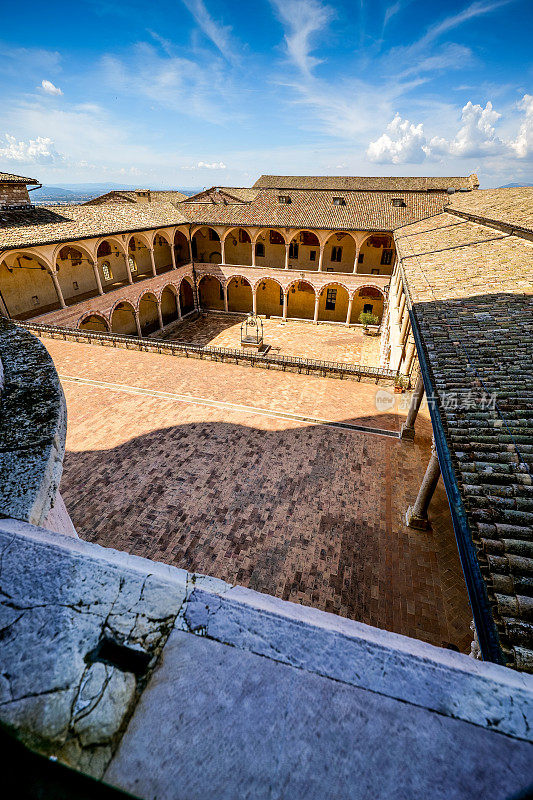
(368, 308)
(312, 255)
(260, 249)
(293, 250)
(284, 198)
(386, 257)
(35, 300)
(339, 201)
(361, 258)
(336, 253)
(329, 269)
(106, 270)
(75, 285)
(375, 272)
(331, 298)
(132, 264)
(397, 202)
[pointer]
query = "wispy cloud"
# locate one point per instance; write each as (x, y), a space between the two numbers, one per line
(217, 32)
(35, 151)
(303, 21)
(472, 11)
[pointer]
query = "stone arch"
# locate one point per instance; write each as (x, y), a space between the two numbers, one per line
(122, 318)
(340, 252)
(138, 248)
(272, 251)
(111, 255)
(269, 297)
(301, 299)
(304, 249)
(186, 295)
(371, 257)
(81, 248)
(211, 292)
(333, 302)
(120, 245)
(73, 263)
(166, 234)
(26, 283)
(205, 248)
(93, 321)
(239, 294)
(182, 250)
(364, 296)
(169, 305)
(162, 247)
(237, 246)
(147, 306)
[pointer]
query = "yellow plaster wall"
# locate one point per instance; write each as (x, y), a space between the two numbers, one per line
(93, 323)
(162, 254)
(372, 259)
(209, 289)
(274, 255)
(268, 299)
(82, 273)
(239, 297)
(141, 256)
(148, 317)
(19, 286)
(117, 265)
(303, 261)
(338, 314)
(123, 322)
(241, 253)
(300, 304)
(206, 249)
(348, 254)
(360, 302)
(169, 308)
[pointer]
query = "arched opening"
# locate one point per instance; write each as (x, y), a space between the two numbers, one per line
(206, 246)
(376, 256)
(139, 257)
(26, 285)
(301, 300)
(186, 296)
(123, 319)
(94, 322)
(370, 299)
(111, 263)
(333, 303)
(75, 274)
(339, 253)
(269, 298)
(181, 249)
(169, 306)
(239, 295)
(148, 316)
(304, 251)
(162, 254)
(270, 249)
(211, 293)
(238, 247)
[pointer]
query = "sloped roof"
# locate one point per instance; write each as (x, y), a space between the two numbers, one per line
(45, 224)
(133, 196)
(374, 184)
(471, 287)
(508, 206)
(308, 209)
(7, 177)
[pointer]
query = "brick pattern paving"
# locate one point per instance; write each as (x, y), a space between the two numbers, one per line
(324, 341)
(311, 514)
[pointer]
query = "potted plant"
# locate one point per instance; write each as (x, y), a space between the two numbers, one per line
(366, 318)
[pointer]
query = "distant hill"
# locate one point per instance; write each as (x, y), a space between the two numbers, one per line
(71, 193)
(515, 185)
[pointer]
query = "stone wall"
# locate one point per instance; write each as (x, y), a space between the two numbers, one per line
(13, 194)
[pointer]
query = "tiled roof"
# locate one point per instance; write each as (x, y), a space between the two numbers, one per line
(132, 196)
(363, 183)
(6, 177)
(42, 225)
(308, 209)
(510, 206)
(471, 286)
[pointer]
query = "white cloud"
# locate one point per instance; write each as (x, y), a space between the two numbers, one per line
(211, 165)
(35, 151)
(477, 134)
(303, 20)
(49, 88)
(472, 11)
(218, 33)
(523, 144)
(402, 143)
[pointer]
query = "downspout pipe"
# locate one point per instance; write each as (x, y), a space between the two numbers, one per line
(486, 630)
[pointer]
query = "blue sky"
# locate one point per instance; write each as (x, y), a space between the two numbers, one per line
(202, 92)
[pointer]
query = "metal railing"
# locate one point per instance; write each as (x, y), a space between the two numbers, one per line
(305, 366)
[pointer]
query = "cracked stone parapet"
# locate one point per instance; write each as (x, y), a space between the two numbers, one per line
(32, 426)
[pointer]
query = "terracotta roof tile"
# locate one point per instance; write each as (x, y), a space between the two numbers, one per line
(7, 177)
(319, 182)
(510, 206)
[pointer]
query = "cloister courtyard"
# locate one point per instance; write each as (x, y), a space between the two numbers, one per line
(241, 473)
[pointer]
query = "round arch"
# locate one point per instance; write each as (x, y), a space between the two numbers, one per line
(333, 302)
(269, 244)
(340, 252)
(186, 295)
(27, 285)
(237, 246)
(211, 293)
(147, 308)
(111, 261)
(122, 318)
(376, 254)
(300, 299)
(169, 304)
(120, 245)
(206, 245)
(162, 247)
(304, 250)
(80, 248)
(269, 297)
(182, 252)
(138, 248)
(367, 298)
(239, 294)
(94, 321)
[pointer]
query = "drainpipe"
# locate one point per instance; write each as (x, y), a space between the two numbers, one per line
(477, 591)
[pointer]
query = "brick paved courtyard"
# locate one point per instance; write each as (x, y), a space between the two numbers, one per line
(325, 341)
(160, 465)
